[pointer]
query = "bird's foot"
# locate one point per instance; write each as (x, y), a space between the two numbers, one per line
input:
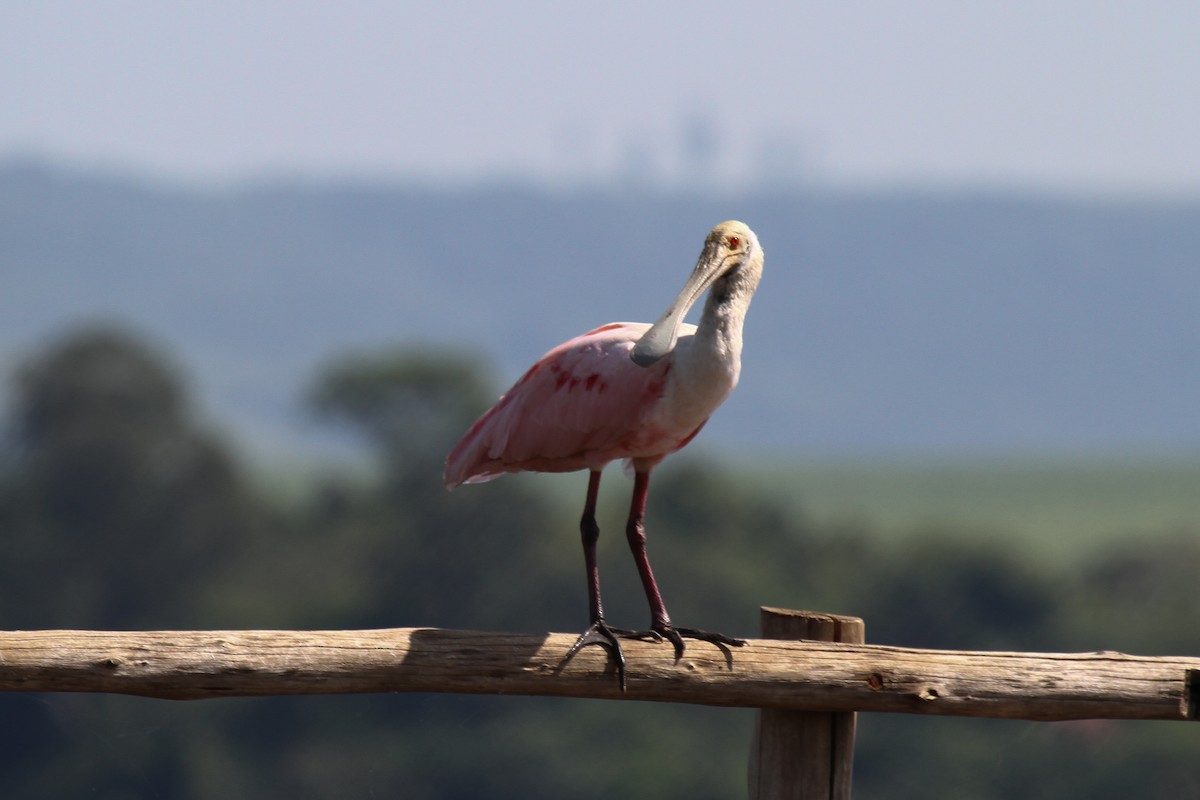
(602, 634)
(608, 637)
(676, 636)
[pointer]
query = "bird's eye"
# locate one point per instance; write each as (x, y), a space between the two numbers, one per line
(735, 242)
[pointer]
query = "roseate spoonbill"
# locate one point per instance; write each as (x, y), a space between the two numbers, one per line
(624, 391)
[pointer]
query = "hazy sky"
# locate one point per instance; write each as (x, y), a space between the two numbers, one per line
(1081, 96)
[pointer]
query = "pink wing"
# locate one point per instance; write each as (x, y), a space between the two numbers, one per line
(582, 405)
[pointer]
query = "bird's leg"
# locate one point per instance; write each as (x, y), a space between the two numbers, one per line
(660, 622)
(599, 631)
(590, 533)
(635, 532)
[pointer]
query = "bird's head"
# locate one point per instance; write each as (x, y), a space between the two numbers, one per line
(731, 248)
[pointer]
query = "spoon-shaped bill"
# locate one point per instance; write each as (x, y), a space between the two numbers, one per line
(660, 338)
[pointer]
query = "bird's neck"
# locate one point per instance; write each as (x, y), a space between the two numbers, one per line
(714, 359)
(719, 333)
(705, 368)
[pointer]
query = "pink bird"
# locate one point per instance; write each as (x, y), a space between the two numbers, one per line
(630, 391)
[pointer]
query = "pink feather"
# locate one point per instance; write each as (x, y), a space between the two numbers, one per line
(582, 405)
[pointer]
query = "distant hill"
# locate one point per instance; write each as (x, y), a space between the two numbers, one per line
(900, 323)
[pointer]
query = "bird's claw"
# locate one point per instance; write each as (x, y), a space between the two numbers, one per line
(600, 633)
(676, 636)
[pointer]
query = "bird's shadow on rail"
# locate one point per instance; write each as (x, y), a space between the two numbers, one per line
(487, 657)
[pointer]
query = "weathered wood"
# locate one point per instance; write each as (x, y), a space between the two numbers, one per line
(812, 676)
(804, 755)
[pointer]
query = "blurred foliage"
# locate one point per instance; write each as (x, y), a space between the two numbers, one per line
(119, 509)
(405, 404)
(116, 496)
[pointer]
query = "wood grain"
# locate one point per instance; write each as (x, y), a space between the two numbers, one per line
(804, 675)
(804, 755)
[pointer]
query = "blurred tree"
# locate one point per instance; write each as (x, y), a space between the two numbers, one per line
(941, 590)
(1138, 597)
(119, 508)
(407, 405)
(116, 510)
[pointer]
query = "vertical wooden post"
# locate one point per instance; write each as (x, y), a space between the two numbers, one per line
(802, 755)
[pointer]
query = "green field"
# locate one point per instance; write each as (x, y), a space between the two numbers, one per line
(1062, 506)
(1067, 508)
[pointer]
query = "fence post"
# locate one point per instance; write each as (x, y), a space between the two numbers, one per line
(804, 755)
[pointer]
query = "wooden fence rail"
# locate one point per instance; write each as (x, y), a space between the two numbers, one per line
(767, 673)
(808, 677)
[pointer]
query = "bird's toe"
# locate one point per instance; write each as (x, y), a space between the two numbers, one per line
(711, 637)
